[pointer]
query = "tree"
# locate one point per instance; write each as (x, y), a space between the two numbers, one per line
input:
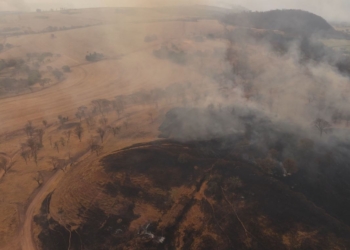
(45, 123)
(115, 130)
(29, 129)
(82, 111)
(101, 105)
(322, 126)
(57, 146)
(103, 121)
(95, 148)
(58, 74)
(101, 132)
(40, 133)
(93, 57)
(66, 69)
(90, 121)
(4, 165)
(79, 131)
(62, 119)
(25, 154)
(34, 76)
(35, 146)
(79, 116)
(63, 141)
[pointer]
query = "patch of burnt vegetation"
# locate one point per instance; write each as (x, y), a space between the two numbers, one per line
(242, 205)
(315, 169)
(171, 167)
(98, 231)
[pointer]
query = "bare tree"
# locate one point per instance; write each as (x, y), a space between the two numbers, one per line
(90, 121)
(101, 132)
(96, 148)
(4, 165)
(322, 126)
(40, 133)
(79, 116)
(57, 146)
(35, 146)
(29, 129)
(115, 130)
(63, 142)
(79, 131)
(25, 154)
(62, 119)
(101, 105)
(45, 123)
(103, 121)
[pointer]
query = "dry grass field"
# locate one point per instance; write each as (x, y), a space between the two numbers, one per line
(129, 66)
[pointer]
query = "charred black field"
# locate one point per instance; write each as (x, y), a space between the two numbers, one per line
(222, 202)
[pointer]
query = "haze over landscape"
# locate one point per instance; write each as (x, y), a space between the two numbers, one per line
(174, 125)
(333, 11)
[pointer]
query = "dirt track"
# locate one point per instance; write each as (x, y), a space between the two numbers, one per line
(26, 237)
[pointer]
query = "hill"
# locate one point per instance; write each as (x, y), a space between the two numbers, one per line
(296, 22)
(168, 195)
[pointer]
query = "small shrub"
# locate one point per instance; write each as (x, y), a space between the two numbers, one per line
(66, 69)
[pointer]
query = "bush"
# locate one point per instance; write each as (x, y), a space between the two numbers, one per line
(93, 57)
(34, 76)
(58, 74)
(172, 53)
(66, 69)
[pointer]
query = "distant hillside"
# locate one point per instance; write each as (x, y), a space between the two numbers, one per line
(296, 22)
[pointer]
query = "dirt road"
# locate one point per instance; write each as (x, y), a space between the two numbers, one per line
(26, 236)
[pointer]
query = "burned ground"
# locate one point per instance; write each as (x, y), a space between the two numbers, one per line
(229, 203)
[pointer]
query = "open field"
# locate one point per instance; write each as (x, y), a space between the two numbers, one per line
(339, 45)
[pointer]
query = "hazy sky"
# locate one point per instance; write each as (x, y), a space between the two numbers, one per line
(329, 9)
